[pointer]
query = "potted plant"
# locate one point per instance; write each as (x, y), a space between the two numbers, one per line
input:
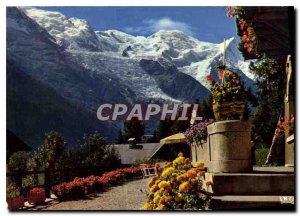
(197, 133)
(36, 195)
(13, 197)
(228, 96)
(196, 137)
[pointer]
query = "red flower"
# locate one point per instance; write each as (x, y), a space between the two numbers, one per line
(216, 84)
(221, 74)
(209, 77)
(249, 30)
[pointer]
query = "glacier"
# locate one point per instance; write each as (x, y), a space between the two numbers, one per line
(87, 68)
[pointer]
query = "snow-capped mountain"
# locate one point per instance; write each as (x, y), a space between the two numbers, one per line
(87, 67)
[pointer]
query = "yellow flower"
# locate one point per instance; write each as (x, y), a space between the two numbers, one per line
(157, 193)
(184, 187)
(147, 206)
(154, 188)
(167, 172)
(179, 160)
(156, 199)
(161, 207)
(199, 165)
(162, 184)
(157, 181)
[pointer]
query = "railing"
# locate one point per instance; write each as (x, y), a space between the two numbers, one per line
(51, 177)
(48, 174)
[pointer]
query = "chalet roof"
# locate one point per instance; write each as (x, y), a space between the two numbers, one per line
(175, 138)
(142, 152)
(274, 29)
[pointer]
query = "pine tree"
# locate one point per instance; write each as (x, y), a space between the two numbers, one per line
(164, 128)
(134, 128)
(120, 139)
(270, 84)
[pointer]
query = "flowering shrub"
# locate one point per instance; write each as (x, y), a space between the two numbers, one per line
(13, 197)
(36, 195)
(80, 187)
(234, 11)
(244, 28)
(197, 133)
(286, 125)
(12, 191)
(180, 186)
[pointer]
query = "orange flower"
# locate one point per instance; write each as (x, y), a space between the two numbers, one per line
(193, 181)
(161, 207)
(191, 173)
(180, 178)
(184, 187)
(202, 173)
(221, 74)
(208, 183)
(169, 199)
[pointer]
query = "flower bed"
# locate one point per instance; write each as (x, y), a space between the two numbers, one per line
(80, 187)
(15, 203)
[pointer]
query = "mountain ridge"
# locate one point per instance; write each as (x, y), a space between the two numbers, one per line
(88, 68)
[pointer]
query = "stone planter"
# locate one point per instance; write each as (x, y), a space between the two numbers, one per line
(15, 203)
(199, 152)
(229, 146)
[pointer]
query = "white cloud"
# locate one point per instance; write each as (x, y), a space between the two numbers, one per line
(154, 25)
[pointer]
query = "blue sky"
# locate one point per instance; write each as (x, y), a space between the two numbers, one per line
(204, 23)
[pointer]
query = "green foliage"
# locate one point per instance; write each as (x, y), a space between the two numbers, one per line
(153, 139)
(134, 128)
(277, 154)
(206, 108)
(260, 155)
(18, 162)
(164, 128)
(48, 154)
(270, 84)
(92, 156)
(120, 139)
(12, 191)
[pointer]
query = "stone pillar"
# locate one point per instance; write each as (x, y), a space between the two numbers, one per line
(229, 146)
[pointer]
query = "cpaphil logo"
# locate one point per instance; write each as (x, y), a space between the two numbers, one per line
(286, 199)
(114, 112)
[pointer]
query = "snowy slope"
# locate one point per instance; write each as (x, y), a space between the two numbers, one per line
(191, 56)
